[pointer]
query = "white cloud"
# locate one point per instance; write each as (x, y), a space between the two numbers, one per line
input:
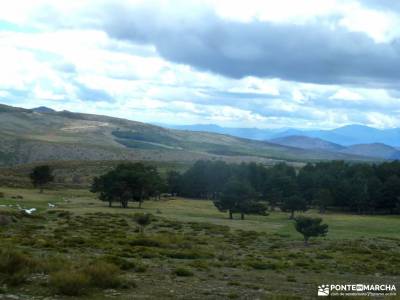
(55, 64)
(345, 94)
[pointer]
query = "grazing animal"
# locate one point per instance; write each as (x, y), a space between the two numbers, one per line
(29, 211)
(51, 205)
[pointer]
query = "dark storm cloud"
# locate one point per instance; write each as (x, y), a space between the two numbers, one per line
(314, 52)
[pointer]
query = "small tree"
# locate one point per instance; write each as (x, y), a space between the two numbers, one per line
(292, 204)
(310, 227)
(40, 176)
(142, 220)
(238, 197)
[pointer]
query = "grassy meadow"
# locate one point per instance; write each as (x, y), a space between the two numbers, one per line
(84, 249)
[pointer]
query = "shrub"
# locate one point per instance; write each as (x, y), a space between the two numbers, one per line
(5, 220)
(188, 254)
(122, 263)
(103, 275)
(200, 265)
(183, 272)
(142, 220)
(48, 264)
(261, 265)
(141, 268)
(145, 242)
(13, 262)
(70, 282)
(1, 195)
(291, 278)
(17, 278)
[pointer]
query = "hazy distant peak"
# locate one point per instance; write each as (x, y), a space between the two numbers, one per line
(43, 109)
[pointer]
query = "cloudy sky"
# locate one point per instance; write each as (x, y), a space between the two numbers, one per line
(253, 63)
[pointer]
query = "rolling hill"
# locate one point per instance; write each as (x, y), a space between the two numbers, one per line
(305, 142)
(345, 136)
(378, 150)
(31, 135)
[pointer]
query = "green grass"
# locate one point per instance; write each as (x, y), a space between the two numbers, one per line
(341, 226)
(189, 251)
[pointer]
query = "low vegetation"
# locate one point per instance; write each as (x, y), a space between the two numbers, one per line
(66, 243)
(82, 248)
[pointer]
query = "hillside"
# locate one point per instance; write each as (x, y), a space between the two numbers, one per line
(42, 135)
(376, 150)
(345, 136)
(305, 142)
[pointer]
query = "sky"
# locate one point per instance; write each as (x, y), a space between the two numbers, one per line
(254, 63)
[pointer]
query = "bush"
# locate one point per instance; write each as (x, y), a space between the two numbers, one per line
(141, 268)
(17, 278)
(122, 263)
(143, 220)
(70, 282)
(261, 265)
(49, 264)
(103, 275)
(188, 254)
(13, 262)
(5, 220)
(1, 195)
(145, 242)
(183, 272)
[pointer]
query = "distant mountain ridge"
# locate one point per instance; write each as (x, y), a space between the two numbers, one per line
(43, 109)
(345, 136)
(377, 150)
(305, 142)
(42, 134)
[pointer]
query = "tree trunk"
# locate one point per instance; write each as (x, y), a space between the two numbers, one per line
(124, 203)
(109, 203)
(291, 215)
(140, 203)
(305, 241)
(230, 215)
(242, 216)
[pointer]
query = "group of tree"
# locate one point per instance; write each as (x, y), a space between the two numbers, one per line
(129, 182)
(355, 187)
(246, 188)
(234, 188)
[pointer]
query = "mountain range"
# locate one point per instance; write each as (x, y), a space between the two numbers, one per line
(42, 134)
(345, 136)
(377, 150)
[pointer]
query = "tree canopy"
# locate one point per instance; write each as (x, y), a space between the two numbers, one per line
(128, 182)
(310, 227)
(354, 187)
(40, 176)
(238, 197)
